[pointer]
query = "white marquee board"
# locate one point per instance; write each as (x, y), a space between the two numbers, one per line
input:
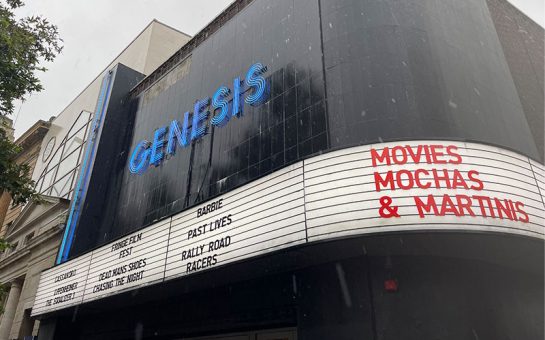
(402, 186)
(266, 215)
(133, 261)
(62, 286)
(495, 190)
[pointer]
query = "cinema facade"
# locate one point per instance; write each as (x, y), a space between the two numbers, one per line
(315, 170)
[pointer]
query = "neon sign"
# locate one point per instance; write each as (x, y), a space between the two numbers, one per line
(147, 153)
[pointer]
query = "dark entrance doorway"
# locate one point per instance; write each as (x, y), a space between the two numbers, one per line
(275, 334)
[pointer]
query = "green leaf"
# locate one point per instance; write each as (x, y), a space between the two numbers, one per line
(23, 44)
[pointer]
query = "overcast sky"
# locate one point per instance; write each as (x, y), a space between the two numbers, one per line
(95, 32)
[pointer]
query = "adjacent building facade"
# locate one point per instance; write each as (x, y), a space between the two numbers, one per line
(23, 234)
(29, 143)
(34, 237)
(62, 148)
(54, 151)
(315, 170)
(7, 125)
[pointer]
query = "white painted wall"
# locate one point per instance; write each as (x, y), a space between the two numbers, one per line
(154, 45)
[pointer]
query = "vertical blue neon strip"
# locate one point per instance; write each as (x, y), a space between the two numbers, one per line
(86, 166)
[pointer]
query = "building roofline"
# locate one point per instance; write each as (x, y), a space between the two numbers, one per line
(54, 201)
(225, 15)
(519, 9)
(172, 28)
(117, 56)
(32, 131)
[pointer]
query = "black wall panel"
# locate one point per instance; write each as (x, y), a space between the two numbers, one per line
(336, 291)
(341, 73)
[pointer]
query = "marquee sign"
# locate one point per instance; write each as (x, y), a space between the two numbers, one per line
(402, 186)
(62, 286)
(423, 186)
(263, 216)
(133, 261)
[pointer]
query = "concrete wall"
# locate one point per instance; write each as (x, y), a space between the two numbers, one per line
(42, 258)
(164, 41)
(31, 257)
(155, 44)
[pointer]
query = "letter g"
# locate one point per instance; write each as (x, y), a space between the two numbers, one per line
(140, 158)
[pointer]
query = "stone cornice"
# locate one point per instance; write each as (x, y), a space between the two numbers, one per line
(22, 257)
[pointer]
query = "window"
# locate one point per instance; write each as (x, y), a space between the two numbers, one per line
(28, 238)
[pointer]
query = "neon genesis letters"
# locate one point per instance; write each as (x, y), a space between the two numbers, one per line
(178, 134)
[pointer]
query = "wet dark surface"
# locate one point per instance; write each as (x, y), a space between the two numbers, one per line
(450, 286)
(341, 73)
